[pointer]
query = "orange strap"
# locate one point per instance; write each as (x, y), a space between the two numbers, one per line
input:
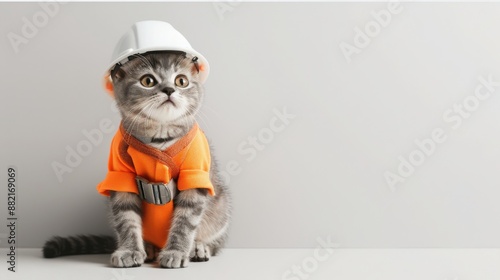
(165, 156)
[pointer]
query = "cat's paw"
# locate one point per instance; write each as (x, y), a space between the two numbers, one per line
(173, 259)
(200, 253)
(127, 258)
(151, 251)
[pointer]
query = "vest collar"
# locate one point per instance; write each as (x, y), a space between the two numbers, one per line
(171, 151)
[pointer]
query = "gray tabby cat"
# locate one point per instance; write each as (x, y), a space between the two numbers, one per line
(158, 108)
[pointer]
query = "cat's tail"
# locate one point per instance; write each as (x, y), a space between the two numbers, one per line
(79, 245)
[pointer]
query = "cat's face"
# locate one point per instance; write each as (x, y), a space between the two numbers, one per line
(160, 86)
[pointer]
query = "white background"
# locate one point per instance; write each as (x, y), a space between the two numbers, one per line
(323, 175)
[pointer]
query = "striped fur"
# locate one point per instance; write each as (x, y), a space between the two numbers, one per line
(126, 221)
(200, 222)
(78, 245)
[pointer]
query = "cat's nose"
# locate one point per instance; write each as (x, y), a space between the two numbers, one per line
(168, 91)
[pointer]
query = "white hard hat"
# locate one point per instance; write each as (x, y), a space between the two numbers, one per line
(153, 35)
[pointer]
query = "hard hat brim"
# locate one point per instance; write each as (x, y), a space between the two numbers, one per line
(123, 58)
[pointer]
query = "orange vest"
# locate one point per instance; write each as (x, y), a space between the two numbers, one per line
(187, 160)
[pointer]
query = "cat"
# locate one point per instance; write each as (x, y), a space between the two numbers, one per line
(158, 95)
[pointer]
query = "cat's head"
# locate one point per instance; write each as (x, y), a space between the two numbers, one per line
(160, 86)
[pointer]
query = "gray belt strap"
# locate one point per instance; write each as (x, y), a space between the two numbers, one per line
(155, 193)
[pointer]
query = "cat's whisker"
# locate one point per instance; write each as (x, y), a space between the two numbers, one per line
(149, 104)
(213, 111)
(136, 118)
(202, 119)
(149, 119)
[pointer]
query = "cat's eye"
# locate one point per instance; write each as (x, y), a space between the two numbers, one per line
(148, 81)
(181, 81)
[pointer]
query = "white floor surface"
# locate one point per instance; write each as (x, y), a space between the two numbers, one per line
(278, 264)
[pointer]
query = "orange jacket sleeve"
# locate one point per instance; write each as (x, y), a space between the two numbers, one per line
(195, 169)
(121, 176)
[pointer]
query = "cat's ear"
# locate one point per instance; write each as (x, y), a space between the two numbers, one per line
(196, 66)
(108, 85)
(117, 73)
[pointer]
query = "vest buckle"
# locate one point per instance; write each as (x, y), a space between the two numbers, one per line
(156, 193)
